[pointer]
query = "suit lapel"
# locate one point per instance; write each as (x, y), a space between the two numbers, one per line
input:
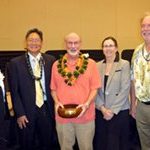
(24, 62)
(103, 66)
(46, 70)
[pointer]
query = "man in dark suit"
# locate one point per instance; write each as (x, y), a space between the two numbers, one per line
(3, 128)
(35, 119)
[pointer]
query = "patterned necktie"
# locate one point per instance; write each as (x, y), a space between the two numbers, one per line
(38, 86)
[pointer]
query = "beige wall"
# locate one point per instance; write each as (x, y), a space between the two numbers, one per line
(92, 19)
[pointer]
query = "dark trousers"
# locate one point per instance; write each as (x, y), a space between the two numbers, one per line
(134, 137)
(39, 133)
(113, 134)
(3, 134)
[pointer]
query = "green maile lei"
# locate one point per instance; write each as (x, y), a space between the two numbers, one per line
(70, 77)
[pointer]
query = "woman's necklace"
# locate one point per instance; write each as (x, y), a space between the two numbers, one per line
(71, 76)
(31, 70)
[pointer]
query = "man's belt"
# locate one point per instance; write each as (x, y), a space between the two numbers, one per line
(146, 103)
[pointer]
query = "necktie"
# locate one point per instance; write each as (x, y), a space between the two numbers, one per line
(38, 86)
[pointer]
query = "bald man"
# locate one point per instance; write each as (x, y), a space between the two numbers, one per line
(75, 80)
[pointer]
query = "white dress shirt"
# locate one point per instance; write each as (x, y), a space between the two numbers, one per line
(2, 84)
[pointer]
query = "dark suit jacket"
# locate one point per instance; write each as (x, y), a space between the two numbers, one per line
(22, 86)
(2, 105)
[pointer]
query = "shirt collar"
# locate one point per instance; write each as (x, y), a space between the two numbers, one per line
(32, 58)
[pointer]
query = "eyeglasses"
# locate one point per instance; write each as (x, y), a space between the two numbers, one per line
(110, 46)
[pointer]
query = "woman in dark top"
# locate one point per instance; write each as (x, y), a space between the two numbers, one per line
(112, 104)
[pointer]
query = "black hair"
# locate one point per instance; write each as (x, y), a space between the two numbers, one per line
(35, 30)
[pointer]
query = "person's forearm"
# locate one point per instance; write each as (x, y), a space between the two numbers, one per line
(102, 109)
(91, 97)
(133, 100)
(54, 96)
(132, 94)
